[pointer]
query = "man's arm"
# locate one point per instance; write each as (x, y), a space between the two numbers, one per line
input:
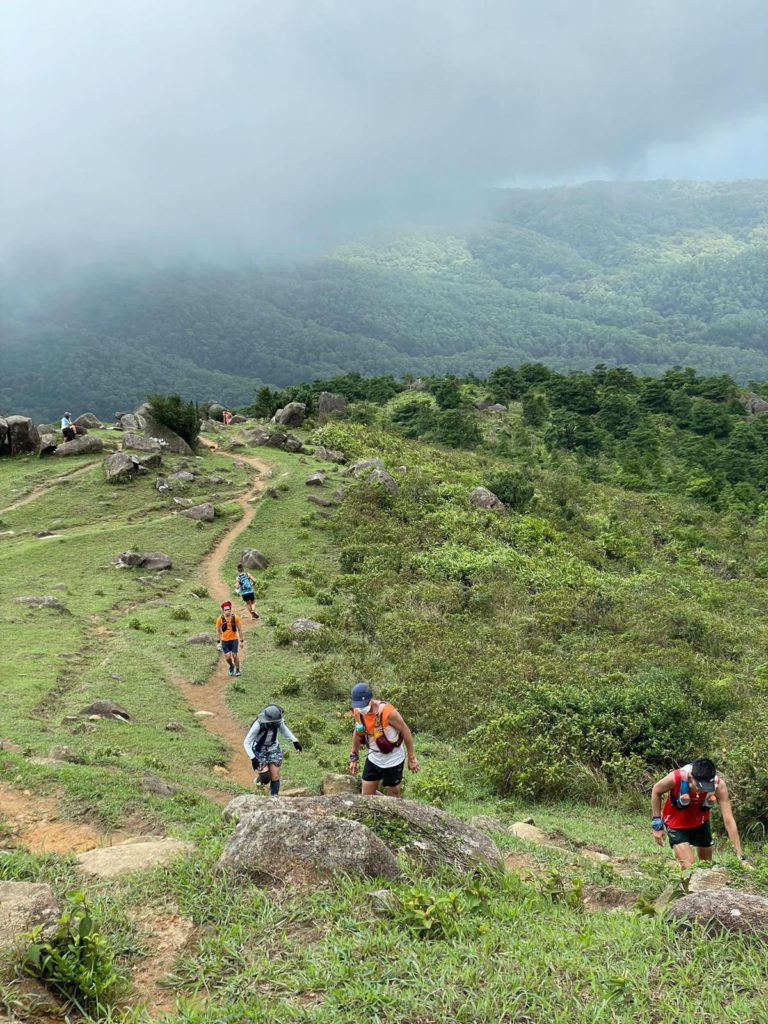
(397, 721)
(354, 757)
(665, 785)
(219, 629)
(240, 631)
(724, 802)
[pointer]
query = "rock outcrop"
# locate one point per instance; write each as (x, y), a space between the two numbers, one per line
(152, 560)
(292, 415)
(18, 436)
(253, 559)
(722, 910)
(753, 404)
(24, 906)
(329, 404)
(204, 513)
(330, 455)
(135, 855)
(481, 497)
(87, 445)
(89, 420)
(428, 836)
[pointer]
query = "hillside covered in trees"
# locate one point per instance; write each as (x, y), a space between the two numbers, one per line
(645, 275)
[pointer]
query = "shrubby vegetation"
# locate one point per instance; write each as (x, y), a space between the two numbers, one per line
(177, 414)
(645, 275)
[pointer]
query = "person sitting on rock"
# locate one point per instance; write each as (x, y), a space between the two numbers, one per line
(68, 428)
(262, 745)
(226, 417)
(692, 792)
(230, 634)
(382, 729)
(244, 584)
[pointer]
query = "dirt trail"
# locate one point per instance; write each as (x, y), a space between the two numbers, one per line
(36, 824)
(213, 695)
(41, 489)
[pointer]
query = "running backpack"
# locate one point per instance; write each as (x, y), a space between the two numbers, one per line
(243, 581)
(376, 732)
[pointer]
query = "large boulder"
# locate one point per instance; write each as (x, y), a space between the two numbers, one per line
(168, 438)
(753, 404)
(22, 436)
(204, 513)
(106, 709)
(301, 627)
(134, 855)
(121, 468)
(51, 603)
(88, 445)
(722, 910)
(316, 479)
(335, 784)
(24, 906)
(253, 559)
(330, 455)
(140, 442)
(293, 444)
(209, 426)
(216, 411)
(292, 415)
(429, 837)
(89, 420)
(152, 560)
(382, 477)
(285, 845)
(365, 466)
(130, 421)
(266, 439)
(481, 497)
(329, 403)
(237, 419)
(48, 444)
(4, 443)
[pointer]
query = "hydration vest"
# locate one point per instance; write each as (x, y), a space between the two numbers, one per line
(684, 809)
(228, 627)
(374, 726)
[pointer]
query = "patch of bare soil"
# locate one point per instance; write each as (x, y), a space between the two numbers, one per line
(166, 936)
(36, 824)
(212, 696)
(607, 898)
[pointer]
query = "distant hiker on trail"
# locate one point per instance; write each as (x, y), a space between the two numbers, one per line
(244, 584)
(381, 727)
(227, 417)
(230, 637)
(262, 745)
(692, 792)
(68, 428)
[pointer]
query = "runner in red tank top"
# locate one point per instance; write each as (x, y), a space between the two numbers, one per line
(692, 792)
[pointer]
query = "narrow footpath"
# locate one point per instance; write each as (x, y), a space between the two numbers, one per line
(212, 696)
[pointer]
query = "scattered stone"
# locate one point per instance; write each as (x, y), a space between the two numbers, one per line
(530, 833)
(216, 480)
(316, 499)
(88, 445)
(335, 784)
(364, 466)
(66, 754)
(292, 415)
(182, 502)
(121, 468)
(181, 477)
(481, 497)
(278, 844)
(330, 455)
(316, 479)
(173, 727)
(293, 444)
(53, 603)
(156, 786)
(161, 485)
(204, 714)
(150, 460)
(89, 420)
(140, 442)
(329, 403)
(155, 561)
(294, 791)
(253, 559)
(702, 879)
(24, 906)
(112, 861)
(202, 513)
(106, 709)
(428, 836)
(202, 638)
(722, 910)
(304, 626)
(381, 476)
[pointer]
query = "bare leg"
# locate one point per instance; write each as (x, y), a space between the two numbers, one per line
(684, 854)
(705, 852)
(396, 791)
(370, 788)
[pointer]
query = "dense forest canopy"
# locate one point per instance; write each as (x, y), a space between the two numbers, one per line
(644, 275)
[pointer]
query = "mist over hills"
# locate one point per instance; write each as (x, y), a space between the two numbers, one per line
(645, 275)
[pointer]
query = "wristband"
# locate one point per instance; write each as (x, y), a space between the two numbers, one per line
(657, 824)
(354, 757)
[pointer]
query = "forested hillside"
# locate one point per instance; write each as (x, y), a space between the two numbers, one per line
(642, 275)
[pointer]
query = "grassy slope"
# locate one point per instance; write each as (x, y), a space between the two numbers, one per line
(519, 951)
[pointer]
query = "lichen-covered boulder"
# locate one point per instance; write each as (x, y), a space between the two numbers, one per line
(722, 910)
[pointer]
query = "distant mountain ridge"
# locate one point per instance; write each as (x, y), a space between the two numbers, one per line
(645, 275)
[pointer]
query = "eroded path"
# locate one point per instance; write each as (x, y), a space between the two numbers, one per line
(212, 696)
(41, 489)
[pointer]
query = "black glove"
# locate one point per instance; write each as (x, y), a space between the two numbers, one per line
(255, 762)
(297, 745)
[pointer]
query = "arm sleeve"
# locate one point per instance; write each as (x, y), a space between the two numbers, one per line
(285, 731)
(250, 739)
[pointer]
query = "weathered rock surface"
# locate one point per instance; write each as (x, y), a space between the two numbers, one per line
(485, 823)
(120, 468)
(303, 626)
(181, 478)
(427, 835)
(52, 603)
(204, 513)
(329, 403)
(722, 910)
(364, 466)
(481, 497)
(106, 709)
(153, 560)
(381, 476)
(80, 446)
(170, 438)
(209, 426)
(89, 420)
(138, 855)
(317, 499)
(279, 844)
(140, 442)
(18, 436)
(330, 455)
(530, 833)
(334, 784)
(753, 404)
(292, 415)
(237, 419)
(23, 906)
(202, 638)
(156, 786)
(316, 479)
(293, 444)
(253, 559)
(48, 444)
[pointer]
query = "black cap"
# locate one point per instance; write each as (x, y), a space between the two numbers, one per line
(704, 774)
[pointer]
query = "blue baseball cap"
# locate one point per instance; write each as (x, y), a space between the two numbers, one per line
(362, 695)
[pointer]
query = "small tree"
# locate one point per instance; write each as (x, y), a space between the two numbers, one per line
(180, 416)
(512, 487)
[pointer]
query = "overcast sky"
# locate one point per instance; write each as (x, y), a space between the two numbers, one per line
(196, 125)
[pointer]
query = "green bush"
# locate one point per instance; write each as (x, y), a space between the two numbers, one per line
(77, 960)
(181, 614)
(178, 415)
(438, 784)
(513, 487)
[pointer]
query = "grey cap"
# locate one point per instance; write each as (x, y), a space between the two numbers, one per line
(271, 715)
